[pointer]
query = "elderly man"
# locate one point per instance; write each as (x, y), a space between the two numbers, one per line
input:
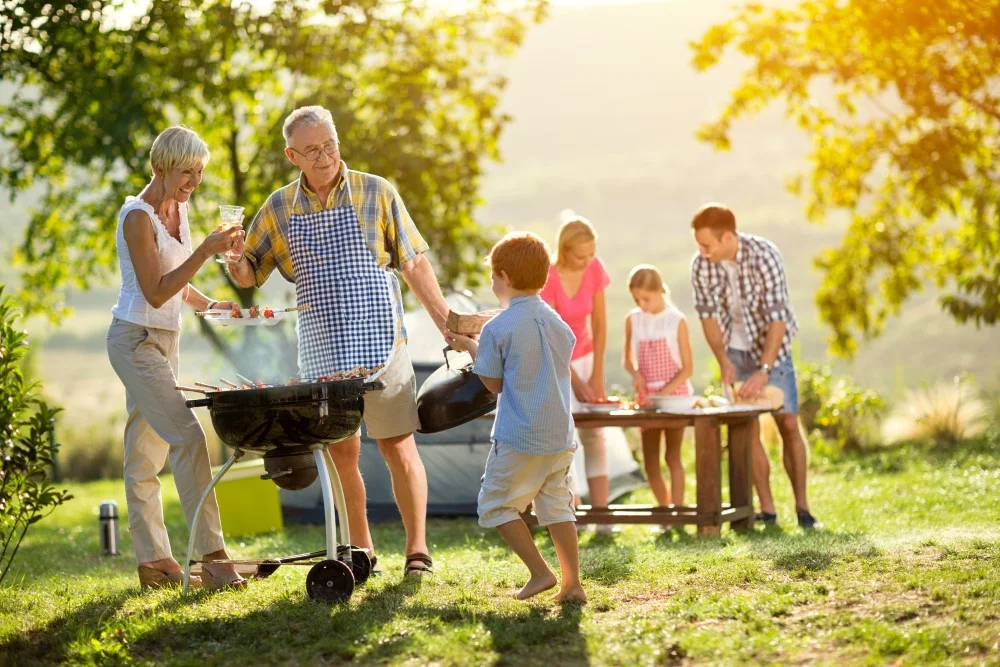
(741, 295)
(337, 234)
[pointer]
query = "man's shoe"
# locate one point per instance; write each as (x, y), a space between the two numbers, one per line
(806, 520)
(767, 518)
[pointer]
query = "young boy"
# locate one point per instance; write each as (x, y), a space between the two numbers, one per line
(523, 354)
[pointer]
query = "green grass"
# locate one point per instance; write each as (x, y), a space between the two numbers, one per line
(907, 569)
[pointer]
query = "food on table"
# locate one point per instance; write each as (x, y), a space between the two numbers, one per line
(235, 312)
(771, 398)
(268, 313)
(252, 311)
(610, 400)
(710, 402)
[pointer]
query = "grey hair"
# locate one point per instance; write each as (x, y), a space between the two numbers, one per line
(308, 116)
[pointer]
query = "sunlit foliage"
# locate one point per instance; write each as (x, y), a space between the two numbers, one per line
(902, 102)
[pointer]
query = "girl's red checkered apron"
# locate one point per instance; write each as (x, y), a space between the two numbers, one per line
(655, 360)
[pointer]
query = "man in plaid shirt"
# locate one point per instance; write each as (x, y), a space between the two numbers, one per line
(741, 296)
(387, 231)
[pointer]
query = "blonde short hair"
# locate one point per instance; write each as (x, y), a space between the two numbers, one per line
(178, 146)
(308, 116)
(575, 229)
(647, 278)
(525, 258)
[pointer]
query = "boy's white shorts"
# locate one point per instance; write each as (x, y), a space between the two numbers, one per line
(514, 479)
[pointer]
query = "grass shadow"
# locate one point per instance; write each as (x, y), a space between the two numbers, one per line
(608, 564)
(811, 551)
(520, 637)
(315, 632)
(50, 643)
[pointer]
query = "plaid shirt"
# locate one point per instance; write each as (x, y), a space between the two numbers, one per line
(763, 293)
(390, 233)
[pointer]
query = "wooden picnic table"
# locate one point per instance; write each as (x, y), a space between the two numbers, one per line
(710, 512)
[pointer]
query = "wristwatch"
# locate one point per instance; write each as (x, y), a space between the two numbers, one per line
(765, 369)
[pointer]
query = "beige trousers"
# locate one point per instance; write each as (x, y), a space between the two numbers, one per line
(160, 425)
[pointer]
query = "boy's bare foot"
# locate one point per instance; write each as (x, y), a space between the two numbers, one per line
(572, 594)
(537, 585)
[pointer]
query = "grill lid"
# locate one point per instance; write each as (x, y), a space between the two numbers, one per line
(292, 394)
(453, 395)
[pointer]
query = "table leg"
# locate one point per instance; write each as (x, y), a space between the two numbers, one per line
(708, 473)
(741, 471)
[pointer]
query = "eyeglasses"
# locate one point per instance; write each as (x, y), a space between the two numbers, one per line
(316, 152)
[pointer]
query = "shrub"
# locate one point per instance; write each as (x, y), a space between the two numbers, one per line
(835, 408)
(947, 412)
(27, 444)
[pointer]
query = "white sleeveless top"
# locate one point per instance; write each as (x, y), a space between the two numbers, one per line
(132, 305)
(657, 326)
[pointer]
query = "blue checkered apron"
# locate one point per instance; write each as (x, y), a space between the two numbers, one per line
(351, 320)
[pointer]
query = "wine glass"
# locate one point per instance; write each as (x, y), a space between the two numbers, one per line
(230, 216)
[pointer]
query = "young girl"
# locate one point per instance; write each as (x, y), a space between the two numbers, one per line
(575, 290)
(658, 357)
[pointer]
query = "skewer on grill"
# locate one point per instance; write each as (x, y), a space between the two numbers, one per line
(231, 385)
(208, 386)
(181, 387)
(246, 380)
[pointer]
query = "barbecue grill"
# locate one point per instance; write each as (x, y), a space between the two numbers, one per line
(291, 426)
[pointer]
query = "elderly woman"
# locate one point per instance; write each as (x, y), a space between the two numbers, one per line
(157, 262)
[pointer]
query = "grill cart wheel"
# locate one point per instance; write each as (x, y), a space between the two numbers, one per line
(330, 581)
(361, 564)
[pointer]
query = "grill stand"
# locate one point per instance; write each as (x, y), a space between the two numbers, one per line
(237, 455)
(334, 507)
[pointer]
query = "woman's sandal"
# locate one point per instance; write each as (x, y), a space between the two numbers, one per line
(418, 565)
(214, 582)
(152, 578)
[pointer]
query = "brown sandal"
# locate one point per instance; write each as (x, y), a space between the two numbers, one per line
(150, 577)
(418, 565)
(215, 582)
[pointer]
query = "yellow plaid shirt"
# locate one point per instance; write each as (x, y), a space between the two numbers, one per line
(387, 226)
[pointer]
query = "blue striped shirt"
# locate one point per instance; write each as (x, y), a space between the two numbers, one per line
(529, 346)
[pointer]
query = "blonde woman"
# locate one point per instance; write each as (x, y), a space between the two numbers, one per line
(575, 289)
(157, 262)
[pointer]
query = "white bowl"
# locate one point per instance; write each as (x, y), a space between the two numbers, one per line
(671, 403)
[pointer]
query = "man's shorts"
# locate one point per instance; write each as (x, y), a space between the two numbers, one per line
(513, 480)
(392, 411)
(782, 376)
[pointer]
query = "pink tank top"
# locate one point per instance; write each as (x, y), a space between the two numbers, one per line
(576, 311)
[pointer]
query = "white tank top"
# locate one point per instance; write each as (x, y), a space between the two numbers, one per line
(132, 305)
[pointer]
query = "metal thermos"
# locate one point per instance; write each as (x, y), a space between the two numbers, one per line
(109, 527)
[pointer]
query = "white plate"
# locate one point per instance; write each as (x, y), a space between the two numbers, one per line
(225, 318)
(671, 403)
(600, 407)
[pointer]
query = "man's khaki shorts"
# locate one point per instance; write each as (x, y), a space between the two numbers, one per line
(392, 411)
